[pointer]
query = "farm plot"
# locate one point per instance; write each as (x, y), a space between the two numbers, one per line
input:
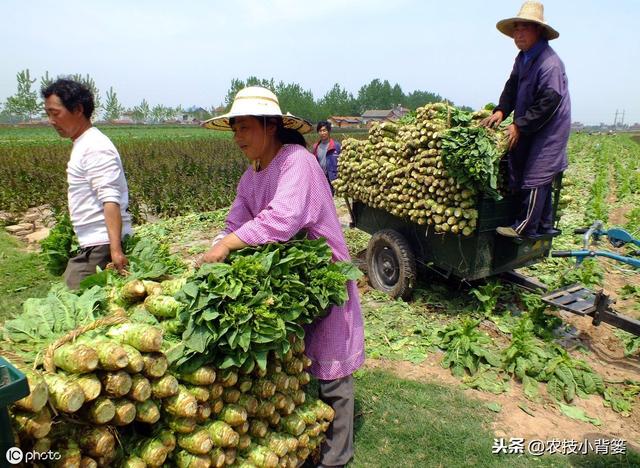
(504, 350)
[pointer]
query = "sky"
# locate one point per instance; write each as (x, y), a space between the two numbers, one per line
(187, 52)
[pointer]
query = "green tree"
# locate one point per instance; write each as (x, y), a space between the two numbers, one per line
(377, 95)
(160, 113)
(419, 98)
(112, 108)
(397, 96)
(24, 104)
(338, 101)
(45, 80)
(296, 100)
(142, 112)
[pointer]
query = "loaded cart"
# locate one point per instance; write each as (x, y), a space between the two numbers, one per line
(398, 245)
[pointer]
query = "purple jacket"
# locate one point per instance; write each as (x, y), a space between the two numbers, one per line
(537, 92)
(333, 151)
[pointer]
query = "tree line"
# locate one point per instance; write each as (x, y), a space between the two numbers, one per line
(26, 103)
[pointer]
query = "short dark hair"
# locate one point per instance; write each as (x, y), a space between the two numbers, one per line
(72, 94)
(323, 123)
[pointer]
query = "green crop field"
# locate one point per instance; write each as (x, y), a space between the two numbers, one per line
(170, 170)
(24, 134)
(424, 398)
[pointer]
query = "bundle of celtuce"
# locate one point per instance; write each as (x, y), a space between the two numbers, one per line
(430, 170)
(124, 390)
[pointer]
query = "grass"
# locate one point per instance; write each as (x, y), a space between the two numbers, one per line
(22, 275)
(403, 423)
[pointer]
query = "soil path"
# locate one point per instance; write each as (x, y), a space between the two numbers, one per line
(540, 421)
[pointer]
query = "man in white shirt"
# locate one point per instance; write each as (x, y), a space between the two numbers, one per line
(98, 195)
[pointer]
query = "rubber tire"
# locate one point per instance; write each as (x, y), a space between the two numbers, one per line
(391, 264)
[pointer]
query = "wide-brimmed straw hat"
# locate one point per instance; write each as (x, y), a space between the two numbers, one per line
(257, 101)
(532, 12)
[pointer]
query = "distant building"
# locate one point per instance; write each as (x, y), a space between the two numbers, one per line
(577, 126)
(377, 115)
(339, 121)
(194, 114)
(124, 120)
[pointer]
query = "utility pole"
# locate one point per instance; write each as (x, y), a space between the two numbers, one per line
(615, 119)
(622, 121)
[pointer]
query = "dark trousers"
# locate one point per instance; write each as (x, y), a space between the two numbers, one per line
(84, 264)
(337, 449)
(536, 211)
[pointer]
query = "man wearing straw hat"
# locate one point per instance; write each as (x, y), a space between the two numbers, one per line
(537, 94)
(283, 192)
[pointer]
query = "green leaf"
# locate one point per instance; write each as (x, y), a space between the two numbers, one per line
(574, 412)
(526, 409)
(494, 406)
(261, 359)
(530, 387)
(196, 337)
(555, 388)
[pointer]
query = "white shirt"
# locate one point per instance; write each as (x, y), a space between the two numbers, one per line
(95, 175)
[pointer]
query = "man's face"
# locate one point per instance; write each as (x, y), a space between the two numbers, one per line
(323, 133)
(525, 35)
(67, 123)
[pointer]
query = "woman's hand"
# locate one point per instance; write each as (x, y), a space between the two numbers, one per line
(221, 249)
(215, 254)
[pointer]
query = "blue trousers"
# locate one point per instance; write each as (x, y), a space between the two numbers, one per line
(536, 211)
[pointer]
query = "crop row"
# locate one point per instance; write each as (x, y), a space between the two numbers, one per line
(166, 176)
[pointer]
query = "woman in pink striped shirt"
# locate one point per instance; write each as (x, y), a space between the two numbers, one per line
(283, 192)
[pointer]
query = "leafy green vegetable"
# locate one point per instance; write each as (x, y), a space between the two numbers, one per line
(60, 245)
(242, 309)
(578, 413)
(621, 398)
(532, 360)
(471, 153)
(487, 379)
(494, 406)
(45, 319)
(150, 259)
(466, 348)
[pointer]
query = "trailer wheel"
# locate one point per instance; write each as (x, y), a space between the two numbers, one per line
(391, 264)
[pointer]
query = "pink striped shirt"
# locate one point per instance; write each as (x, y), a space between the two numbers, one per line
(292, 194)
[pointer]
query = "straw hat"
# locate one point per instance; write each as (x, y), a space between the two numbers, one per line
(257, 101)
(532, 12)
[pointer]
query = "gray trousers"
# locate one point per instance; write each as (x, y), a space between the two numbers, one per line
(337, 449)
(84, 264)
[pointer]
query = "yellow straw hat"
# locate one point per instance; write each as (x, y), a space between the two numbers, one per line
(257, 101)
(532, 12)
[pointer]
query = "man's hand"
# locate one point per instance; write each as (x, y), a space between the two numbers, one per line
(493, 120)
(514, 135)
(119, 260)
